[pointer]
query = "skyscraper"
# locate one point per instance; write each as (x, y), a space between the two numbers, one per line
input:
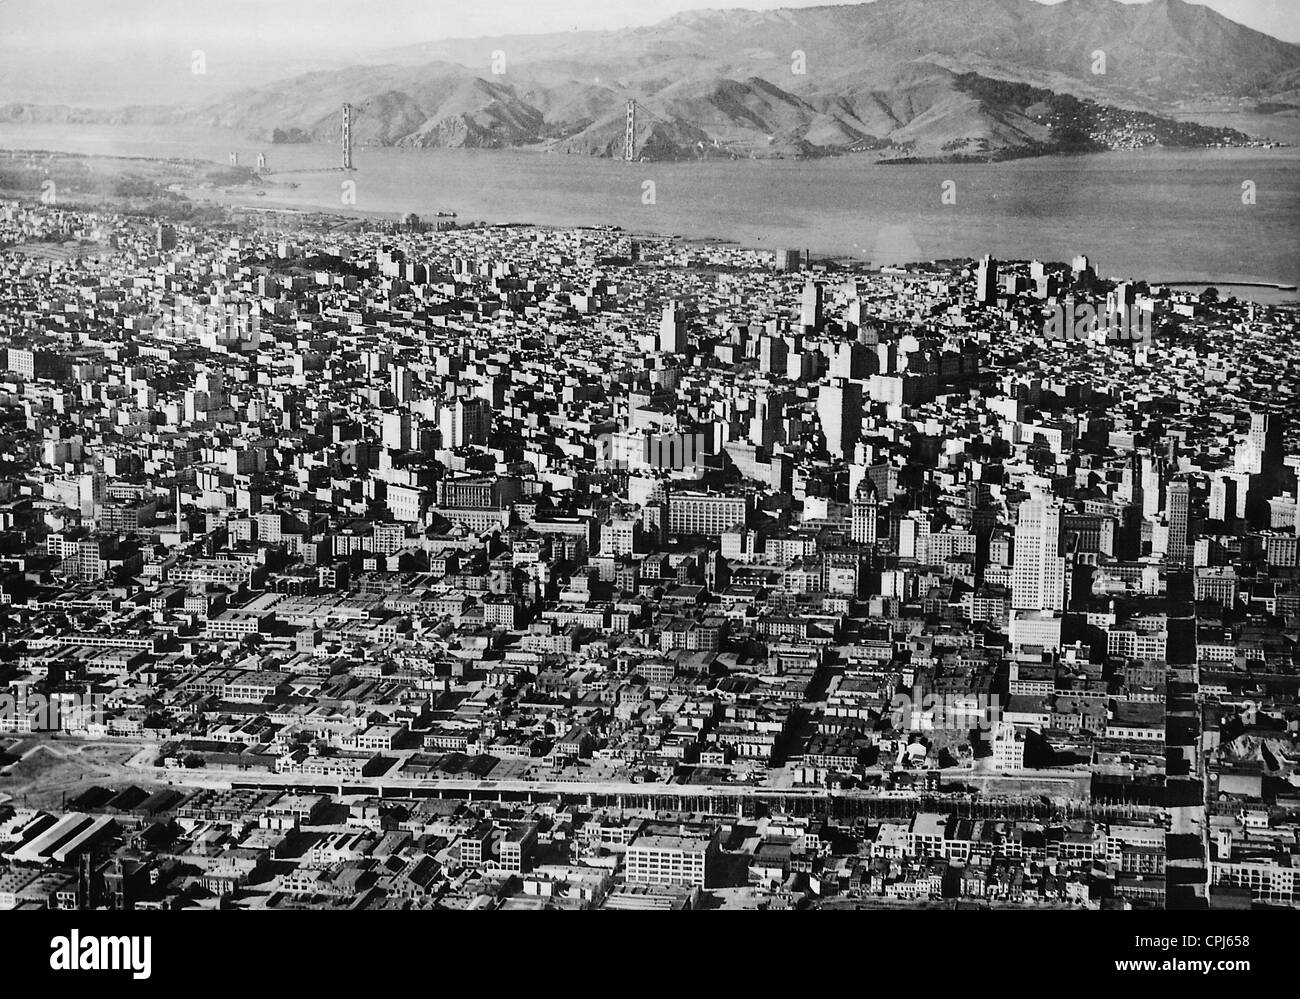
(810, 307)
(672, 330)
(1179, 501)
(1132, 484)
(839, 410)
(986, 280)
(465, 422)
(1223, 498)
(397, 431)
(851, 360)
(1038, 568)
(1265, 434)
(765, 423)
(865, 511)
(1152, 485)
(401, 383)
(772, 353)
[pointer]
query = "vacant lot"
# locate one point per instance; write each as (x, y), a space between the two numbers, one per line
(50, 768)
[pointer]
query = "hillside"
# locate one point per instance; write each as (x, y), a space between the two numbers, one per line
(928, 79)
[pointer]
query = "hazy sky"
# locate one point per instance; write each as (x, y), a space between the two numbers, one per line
(320, 25)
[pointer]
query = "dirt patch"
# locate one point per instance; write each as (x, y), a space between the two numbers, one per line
(51, 769)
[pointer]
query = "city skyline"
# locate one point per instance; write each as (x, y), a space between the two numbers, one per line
(845, 460)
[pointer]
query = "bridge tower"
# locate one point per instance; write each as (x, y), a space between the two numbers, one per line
(347, 137)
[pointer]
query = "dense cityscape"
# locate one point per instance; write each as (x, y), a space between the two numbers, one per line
(409, 566)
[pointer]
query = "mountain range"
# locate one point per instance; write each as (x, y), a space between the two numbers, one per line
(903, 78)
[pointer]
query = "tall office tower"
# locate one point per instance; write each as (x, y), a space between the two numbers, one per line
(1259, 459)
(1128, 540)
(672, 330)
(810, 306)
(765, 423)
(914, 536)
(1038, 568)
(1130, 481)
(856, 316)
(1265, 435)
(465, 422)
(1153, 485)
(851, 360)
(1179, 502)
(1121, 298)
(1223, 498)
(772, 354)
(839, 410)
(986, 280)
(397, 431)
(401, 383)
(865, 511)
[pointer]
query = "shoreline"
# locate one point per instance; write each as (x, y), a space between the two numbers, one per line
(343, 215)
(1226, 284)
(709, 241)
(827, 239)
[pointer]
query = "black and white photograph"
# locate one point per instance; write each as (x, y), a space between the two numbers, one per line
(650, 455)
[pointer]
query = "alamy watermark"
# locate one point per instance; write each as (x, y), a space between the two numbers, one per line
(75, 952)
(670, 451)
(1083, 322)
(232, 320)
(29, 711)
(918, 711)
